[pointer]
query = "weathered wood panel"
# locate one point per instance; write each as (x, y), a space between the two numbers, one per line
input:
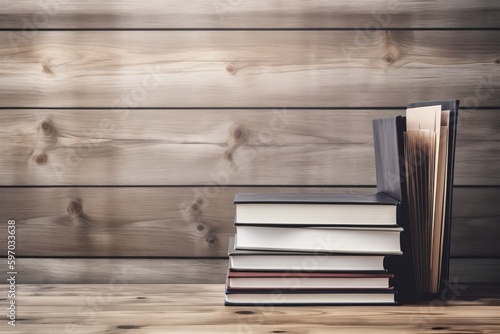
(267, 147)
(166, 164)
(477, 162)
(200, 69)
(248, 14)
(475, 270)
(478, 125)
(125, 221)
(168, 146)
(120, 271)
(248, 68)
(187, 222)
(154, 271)
(476, 222)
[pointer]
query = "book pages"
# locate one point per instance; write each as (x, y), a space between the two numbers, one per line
(426, 145)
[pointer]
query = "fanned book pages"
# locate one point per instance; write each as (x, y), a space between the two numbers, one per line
(427, 145)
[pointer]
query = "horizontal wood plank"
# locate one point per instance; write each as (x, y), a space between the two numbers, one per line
(248, 68)
(186, 222)
(121, 271)
(189, 271)
(248, 14)
(482, 162)
(476, 222)
(267, 147)
(475, 270)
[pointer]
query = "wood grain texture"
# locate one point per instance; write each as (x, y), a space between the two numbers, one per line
(124, 271)
(475, 270)
(266, 147)
(197, 308)
(152, 147)
(186, 222)
(188, 271)
(476, 222)
(248, 14)
(126, 221)
(210, 68)
(248, 68)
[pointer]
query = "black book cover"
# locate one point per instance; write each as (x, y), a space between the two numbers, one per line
(371, 199)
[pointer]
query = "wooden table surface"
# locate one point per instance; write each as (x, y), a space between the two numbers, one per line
(152, 308)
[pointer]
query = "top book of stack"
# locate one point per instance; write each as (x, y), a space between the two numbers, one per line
(316, 210)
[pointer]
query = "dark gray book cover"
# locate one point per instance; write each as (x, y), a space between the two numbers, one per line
(371, 199)
(391, 180)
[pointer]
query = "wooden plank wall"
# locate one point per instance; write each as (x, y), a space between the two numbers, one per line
(128, 126)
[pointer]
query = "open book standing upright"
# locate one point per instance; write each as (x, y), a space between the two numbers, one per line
(415, 162)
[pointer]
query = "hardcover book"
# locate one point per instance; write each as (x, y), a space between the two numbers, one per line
(266, 260)
(315, 209)
(351, 240)
(281, 297)
(306, 280)
(414, 159)
(391, 180)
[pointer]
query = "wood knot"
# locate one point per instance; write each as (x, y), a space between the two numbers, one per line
(196, 207)
(212, 240)
(47, 71)
(392, 55)
(237, 134)
(47, 128)
(230, 69)
(228, 155)
(200, 229)
(128, 327)
(75, 207)
(40, 158)
(497, 61)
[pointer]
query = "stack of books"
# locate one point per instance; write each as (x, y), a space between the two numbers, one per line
(312, 249)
